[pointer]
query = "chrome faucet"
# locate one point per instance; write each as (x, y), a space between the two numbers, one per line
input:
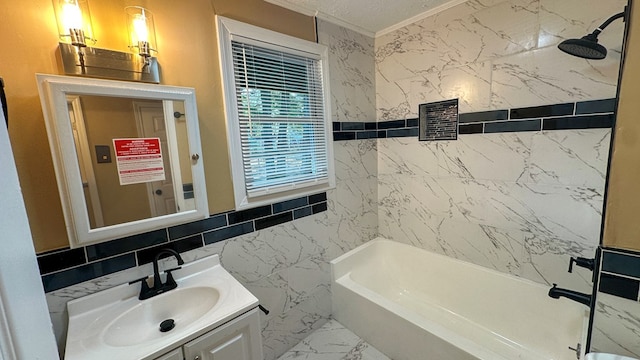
(159, 287)
(556, 293)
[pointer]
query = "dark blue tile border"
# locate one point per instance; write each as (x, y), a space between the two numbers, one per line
(124, 245)
(471, 129)
(87, 272)
(214, 222)
(66, 267)
(579, 122)
(228, 232)
(542, 111)
(352, 126)
(620, 263)
(593, 114)
(596, 106)
(484, 116)
(61, 260)
(512, 126)
(273, 220)
(619, 286)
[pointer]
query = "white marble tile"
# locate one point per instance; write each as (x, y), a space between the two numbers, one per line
(616, 326)
(549, 76)
(272, 292)
(401, 214)
(333, 342)
(281, 333)
(494, 248)
(470, 84)
(307, 277)
(355, 159)
(294, 242)
(393, 98)
(353, 215)
(570, 157)
(565, 212)
(245, 257)
(351, 71)
(566, 19)
(546, 260)
(407, 156)
(461, 35)
(502, 157)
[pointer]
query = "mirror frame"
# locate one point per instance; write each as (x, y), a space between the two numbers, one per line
(53, 91)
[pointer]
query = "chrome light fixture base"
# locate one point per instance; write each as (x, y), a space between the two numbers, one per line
(108, 64)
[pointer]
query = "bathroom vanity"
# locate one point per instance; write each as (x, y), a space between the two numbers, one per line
(231, 341)
(210, 315)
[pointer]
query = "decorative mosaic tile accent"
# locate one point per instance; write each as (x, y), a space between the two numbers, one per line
(438, 120)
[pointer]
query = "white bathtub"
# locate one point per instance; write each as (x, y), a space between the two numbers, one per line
(412, 304)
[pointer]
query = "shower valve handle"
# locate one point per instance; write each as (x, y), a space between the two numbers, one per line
(582, 262)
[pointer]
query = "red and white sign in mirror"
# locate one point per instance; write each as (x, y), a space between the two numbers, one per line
(139, 160)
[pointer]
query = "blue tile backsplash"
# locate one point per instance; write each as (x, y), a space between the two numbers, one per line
(66, 267)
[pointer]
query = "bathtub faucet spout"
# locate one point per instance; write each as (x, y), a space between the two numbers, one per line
(556, 293)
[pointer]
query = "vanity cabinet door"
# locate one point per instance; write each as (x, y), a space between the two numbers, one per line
(237, 340)
(173, 355)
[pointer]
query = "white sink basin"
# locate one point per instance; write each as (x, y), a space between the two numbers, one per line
(183, 306)
(114, 324)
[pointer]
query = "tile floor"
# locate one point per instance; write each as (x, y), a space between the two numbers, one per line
(333, 342)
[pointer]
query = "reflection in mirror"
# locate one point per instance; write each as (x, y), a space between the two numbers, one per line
(96, 121)
(126, 155)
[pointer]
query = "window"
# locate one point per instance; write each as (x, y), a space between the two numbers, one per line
(278, 121)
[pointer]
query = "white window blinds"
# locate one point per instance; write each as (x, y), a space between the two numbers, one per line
(280, 109)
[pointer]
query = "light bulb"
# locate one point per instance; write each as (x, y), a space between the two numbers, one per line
(140, 27)
(71, 15)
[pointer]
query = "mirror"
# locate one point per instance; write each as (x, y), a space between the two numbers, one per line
(127, 156)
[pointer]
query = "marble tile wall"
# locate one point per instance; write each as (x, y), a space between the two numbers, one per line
(286, 266)
(521, 203)
(353, 208)
(494, 54)
(616, 326)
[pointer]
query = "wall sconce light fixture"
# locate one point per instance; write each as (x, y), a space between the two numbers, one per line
(75, 32)
(74, 22)
(142, 33)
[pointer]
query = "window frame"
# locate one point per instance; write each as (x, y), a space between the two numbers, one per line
(229, 30)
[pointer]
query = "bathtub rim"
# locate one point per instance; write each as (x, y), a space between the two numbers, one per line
(339, 269)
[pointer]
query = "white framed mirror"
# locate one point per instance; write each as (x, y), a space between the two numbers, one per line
(127, 156)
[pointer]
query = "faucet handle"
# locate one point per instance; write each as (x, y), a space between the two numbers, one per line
(170, 282)
(582, 262)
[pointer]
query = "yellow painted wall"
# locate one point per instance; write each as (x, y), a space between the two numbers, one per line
(187, 56)
(622, 227)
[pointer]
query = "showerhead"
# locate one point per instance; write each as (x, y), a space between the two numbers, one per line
(587, 47)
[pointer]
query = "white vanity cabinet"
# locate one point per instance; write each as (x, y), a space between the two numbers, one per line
(238, 339)
(176, 354)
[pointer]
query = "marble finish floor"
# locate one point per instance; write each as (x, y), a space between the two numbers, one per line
(333, 342)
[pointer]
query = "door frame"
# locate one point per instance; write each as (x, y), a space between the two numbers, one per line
(172, 145)
(25, 323)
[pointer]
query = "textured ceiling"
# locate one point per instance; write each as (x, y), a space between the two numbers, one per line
(372, 16)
